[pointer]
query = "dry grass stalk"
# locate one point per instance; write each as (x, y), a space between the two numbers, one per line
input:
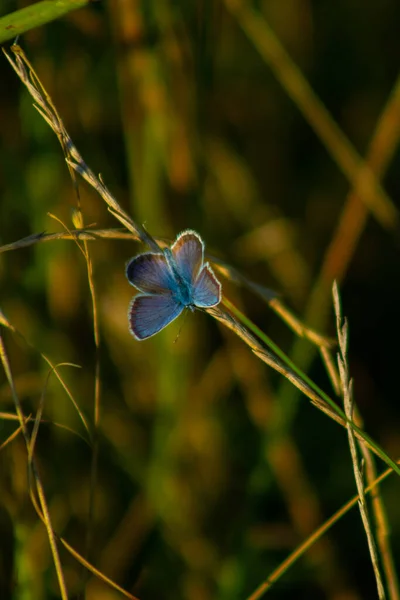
(347, 392)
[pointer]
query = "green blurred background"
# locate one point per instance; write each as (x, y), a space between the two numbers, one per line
(212, 469)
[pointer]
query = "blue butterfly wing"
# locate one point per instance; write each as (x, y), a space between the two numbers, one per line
(149, 314)
(150, 273)
(188, 253)
(206, 289)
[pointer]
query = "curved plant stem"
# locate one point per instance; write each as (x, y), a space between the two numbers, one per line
(35, 15)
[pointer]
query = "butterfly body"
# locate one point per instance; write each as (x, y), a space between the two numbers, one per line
(183, 293)
(168, 283)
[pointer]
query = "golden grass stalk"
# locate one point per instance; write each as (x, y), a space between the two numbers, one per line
(381, 527)
(34, 470)
(42, 511)
(348, 402)
(6, 323)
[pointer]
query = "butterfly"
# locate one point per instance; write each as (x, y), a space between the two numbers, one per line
(169, 282)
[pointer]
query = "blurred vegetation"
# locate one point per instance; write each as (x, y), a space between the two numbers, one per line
(210, 469)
